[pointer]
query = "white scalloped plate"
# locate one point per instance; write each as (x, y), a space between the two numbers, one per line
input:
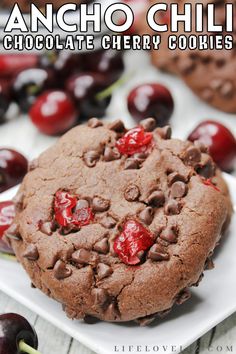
(211, 303)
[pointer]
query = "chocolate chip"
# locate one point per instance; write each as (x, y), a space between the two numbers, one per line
(146, 215)
(108, 222)
(13, 232)
(81, 204)
(183, 296)
(140, 156)
(207, 167)
(192, 156)
(112, 312)
(178, 189)
(202, 147)
(33, 165)
(117, 126)
(94, 123)
(169, 235)
(157, 198)
(18, 201)
(132, 193)
(83, 256)
(227, 89)
(100, 296)
(165, 132)
(100, 204)
(158, 253)
(132, 164)
(207, 94)
(172, 207)
(91, 158)
(61, 271)
(111, 154)
(47, 228)
(31, 253)
(145, 321)
(102, 246)
(186, 65)
(174, 177)
(148, 124)
(103, 271)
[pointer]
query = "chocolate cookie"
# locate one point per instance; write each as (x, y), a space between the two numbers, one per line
(118, 224)
(211, 74)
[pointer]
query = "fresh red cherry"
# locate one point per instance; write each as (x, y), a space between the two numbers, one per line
(16, 335)
(67, 64)
(84, 88)
(53, 113)
(11, 64)
(221, 143)
(7, 214)
(151, 100)
(29, 84)
(4, 99)
(134, 141)
(106, 62)
(68, 211)
(13, 167)
(134, 239)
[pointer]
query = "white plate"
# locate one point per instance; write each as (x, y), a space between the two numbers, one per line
(211, 303)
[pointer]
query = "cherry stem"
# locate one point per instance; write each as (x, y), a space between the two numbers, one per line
(7, 256)
(110, 89)
(25, 348)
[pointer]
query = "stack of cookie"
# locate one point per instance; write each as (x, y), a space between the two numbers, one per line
(211, 74)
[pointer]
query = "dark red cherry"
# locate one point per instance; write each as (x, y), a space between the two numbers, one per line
(7, 214)
(53, 113)
(11, 64)
(13, 167)
(15, 330)
(4, 98)
(84, 88)
(106, 62)
(29, 84)
(151, 100)
(220, 140)
(67, 64)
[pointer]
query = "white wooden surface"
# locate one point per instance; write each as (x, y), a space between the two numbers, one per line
(19, 133)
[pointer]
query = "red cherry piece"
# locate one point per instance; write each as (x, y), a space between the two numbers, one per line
(208, 182)
(53, 113)
(134, 141)
(134, 239)
(219, 139)
(66, 213)
(13, 167)
(83, 216)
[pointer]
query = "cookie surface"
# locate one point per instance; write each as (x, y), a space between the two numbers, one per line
(211, 74)
(118, 225)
